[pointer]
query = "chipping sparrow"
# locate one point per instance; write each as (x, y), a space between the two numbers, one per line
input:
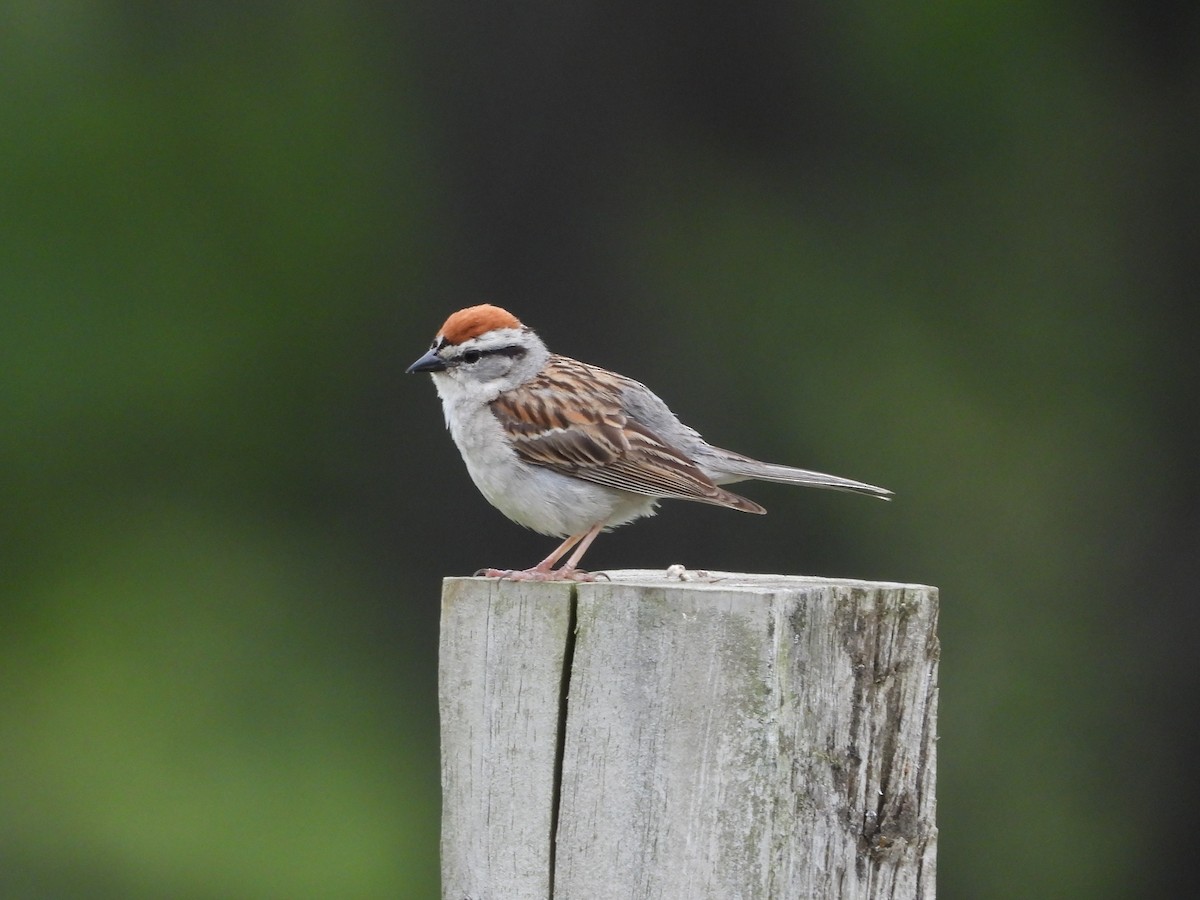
(569, 449)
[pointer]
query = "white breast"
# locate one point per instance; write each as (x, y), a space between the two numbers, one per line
(533, 496)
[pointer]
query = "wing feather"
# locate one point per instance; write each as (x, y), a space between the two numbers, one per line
(592, 437)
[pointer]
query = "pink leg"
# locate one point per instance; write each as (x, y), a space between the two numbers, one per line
(582, 548)
(540, 572)
(549, 561)
(543, 571)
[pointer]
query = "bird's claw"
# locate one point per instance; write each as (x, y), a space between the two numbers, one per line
(535, 574)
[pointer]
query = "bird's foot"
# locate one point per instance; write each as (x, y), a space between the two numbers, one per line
(536, 574)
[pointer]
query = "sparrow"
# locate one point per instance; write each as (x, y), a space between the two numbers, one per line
(569, 449)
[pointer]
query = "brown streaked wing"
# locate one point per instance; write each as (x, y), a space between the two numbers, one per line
(595, 441)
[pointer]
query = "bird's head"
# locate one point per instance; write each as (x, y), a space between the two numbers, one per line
(482, 350)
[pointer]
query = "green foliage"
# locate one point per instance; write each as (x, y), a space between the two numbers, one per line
(191, 716)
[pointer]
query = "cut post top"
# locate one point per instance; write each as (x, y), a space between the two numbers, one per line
(677, 576)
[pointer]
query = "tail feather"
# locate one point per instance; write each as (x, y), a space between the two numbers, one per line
(733, 467)
(737, 501)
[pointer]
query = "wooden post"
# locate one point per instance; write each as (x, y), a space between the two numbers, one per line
(733, 737)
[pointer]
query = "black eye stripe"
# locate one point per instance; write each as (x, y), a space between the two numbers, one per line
(512, 352)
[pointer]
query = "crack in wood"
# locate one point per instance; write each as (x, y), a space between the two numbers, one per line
(564, 692)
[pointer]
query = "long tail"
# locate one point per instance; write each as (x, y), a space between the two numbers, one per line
(735, 467)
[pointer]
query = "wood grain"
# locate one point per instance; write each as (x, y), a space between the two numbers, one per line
(728, 737)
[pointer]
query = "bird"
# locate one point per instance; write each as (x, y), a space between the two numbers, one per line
(569, 449)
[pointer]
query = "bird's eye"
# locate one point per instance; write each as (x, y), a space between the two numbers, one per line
(471, 356)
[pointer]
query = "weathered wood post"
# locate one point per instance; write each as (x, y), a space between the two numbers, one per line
(733, 737)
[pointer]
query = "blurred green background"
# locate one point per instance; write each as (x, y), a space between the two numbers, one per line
(946, 248)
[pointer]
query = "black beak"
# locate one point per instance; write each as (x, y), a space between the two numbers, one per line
(430, 362)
